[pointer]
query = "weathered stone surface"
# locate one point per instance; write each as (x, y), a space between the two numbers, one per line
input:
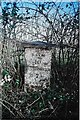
(38, 66)
(37, 76)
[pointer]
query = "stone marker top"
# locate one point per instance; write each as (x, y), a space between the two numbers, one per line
(37, 44)
(44, 45)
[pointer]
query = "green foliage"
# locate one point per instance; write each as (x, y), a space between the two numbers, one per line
(5, 72)
(17, 81)
(24, 101)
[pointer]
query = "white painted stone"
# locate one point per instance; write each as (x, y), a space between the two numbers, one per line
(38, 65)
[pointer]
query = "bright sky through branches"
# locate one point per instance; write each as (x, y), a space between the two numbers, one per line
(39, 0)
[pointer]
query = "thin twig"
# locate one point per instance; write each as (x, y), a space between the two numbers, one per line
(43, 110)
(33, 102)
(53, 110)
(12, 107)
(7, 108)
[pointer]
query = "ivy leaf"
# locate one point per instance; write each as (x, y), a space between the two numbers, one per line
(35, 96)
(5, 72)
(49, 97)
(17, 81)
(33, 111)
